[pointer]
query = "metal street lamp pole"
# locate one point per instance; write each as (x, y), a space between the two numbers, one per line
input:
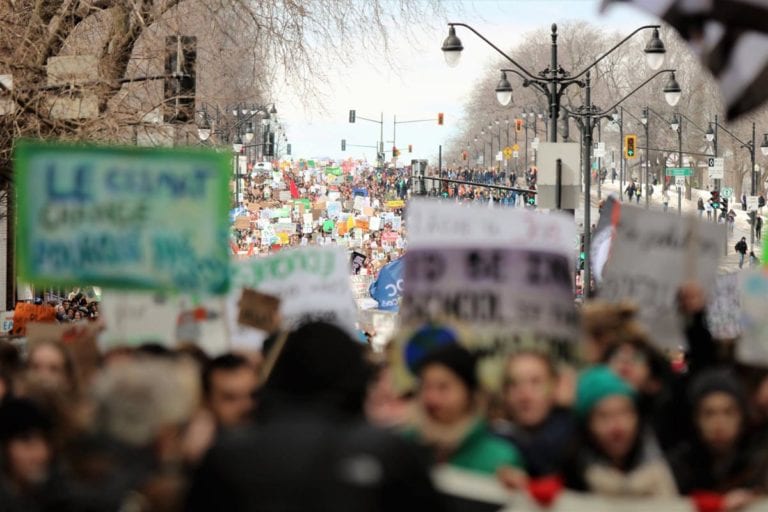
(647, 162)
(621, 156)
(679, 162)
(586, 162)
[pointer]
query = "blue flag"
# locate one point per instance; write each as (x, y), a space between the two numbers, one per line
(388, 287)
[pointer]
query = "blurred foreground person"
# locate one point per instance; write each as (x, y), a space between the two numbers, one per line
(614, 456)
(229, 383)
(721, 457)
(133, 456)
(449, 422)
(27, 455)
(540, 429)
(310, 448)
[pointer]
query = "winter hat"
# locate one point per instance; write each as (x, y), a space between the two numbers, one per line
(454, 357)
(20, 417)
(596, 384)
(321, 361)
(425, 340)
(717, 381)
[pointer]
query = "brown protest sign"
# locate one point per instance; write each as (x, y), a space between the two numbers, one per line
(259, 310)
(242, 223)
(24, 313)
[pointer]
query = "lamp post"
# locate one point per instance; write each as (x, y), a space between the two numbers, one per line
(751, 146)
(553, 81)
(677, 126)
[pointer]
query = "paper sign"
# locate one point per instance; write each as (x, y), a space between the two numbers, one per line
(506, 273)
(122, 217)
(312, 283)
(6, 322)
(307, 219)
(374, 224)
(752, 348)
(361, 223)
(259, 310)
(135, 318)
(399, 203)
(368, 211)
(284, 195)
(334, 209)
(651, 256)
(357, 262)
(724, 308)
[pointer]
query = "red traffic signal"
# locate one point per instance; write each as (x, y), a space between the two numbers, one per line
(518, 125)
(440, 119)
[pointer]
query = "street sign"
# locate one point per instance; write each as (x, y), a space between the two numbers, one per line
(599, 150)
(516, 147)
(499, 156)
(679, 171)
(515, 154)
(752, 203)
(716, 163)
(535, 143)
(680, 181)
(726, 192)
(507, 153)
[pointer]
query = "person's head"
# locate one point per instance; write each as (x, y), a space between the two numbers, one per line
(529, 388)
(25, 440)
(447, 384)
(605, 404)
(229, 382)
(604, 324)
(51, 364)
(320, 364)
(720, 410)
(638, 363)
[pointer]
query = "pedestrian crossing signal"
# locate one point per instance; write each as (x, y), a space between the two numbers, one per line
(343, 144)
(440, 119)
(630, 146)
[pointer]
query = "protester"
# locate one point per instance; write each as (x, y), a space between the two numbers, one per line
(536, 425)
(615, 455)
(720, 457)
(229, 384)
(310, 448)
(741, 248)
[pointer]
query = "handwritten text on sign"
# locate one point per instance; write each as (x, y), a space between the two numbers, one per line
(312, 283)
(651, 256)
(120, 217)
(498, 271)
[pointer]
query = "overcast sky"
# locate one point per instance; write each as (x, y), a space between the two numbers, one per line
(422, 84)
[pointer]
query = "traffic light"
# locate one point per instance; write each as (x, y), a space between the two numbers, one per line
(714, 200)
(518, 125)
(179, 81)
(352, 115)
(630, 146)
(288, 150)
(410, 148)
(440, 119)
(395, 152)
(343, 144)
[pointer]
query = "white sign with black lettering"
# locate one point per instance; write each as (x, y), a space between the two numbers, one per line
(716, 167)
(651, 256)
(752, 202)
(507, 273)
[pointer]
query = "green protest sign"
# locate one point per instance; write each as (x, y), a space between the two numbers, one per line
(336, 171)
(122, 217)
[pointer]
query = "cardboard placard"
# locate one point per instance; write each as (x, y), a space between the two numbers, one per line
(122, 217)
(259, 310)
(242, 223)
(26, 313)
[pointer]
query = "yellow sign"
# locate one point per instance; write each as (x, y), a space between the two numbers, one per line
(516, 147)
(396, 204)
(507, 153)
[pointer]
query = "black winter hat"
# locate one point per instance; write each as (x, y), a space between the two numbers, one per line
(320, 360)
(454, 357)
(20, 417)
(718, 381)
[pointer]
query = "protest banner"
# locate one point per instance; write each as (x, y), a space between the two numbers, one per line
(357, 262)
(752, 348)
(724, 308)
(25, 313)
(397, 203)
(388, 287)
(504, 275)
(122, 217)
(651, 256)
(374, 223)
(361, 223)
(389, 237)
(312, 283)
(360, 285)
(334, 209)
(284, 195)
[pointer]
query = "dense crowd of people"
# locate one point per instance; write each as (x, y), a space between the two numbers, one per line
(315, 422)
